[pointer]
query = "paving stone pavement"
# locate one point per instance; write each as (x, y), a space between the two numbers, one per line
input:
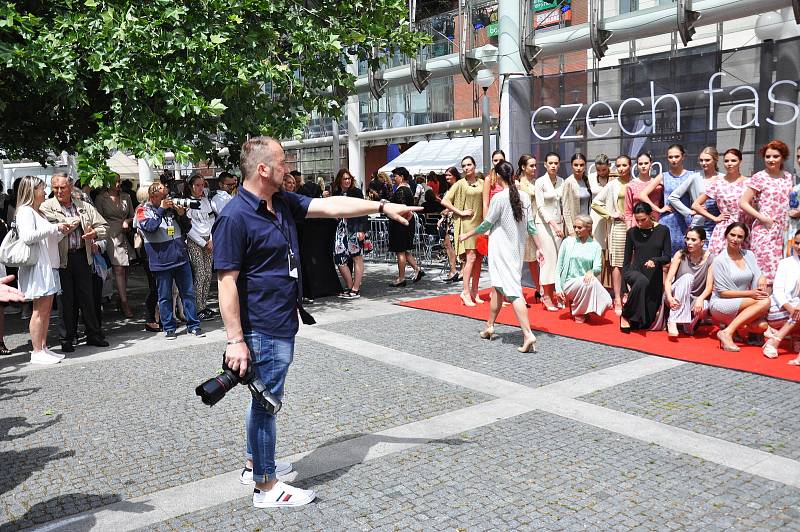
(748, 409)
(132, 426)
(122, 430)
(558, 358)
(533, 472)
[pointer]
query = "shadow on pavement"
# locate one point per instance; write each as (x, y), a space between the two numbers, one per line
(14, 393)
(335, 457)
(77, 502)
(23, 463)
(8, 424)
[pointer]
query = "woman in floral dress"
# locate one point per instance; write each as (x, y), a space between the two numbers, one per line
(726, 191)
(769, 189)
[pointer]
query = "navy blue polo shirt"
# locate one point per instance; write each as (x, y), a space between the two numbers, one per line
(250, 239)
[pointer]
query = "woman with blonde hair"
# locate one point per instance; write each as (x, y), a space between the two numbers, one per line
(696, 186)
(39, 282)
(580, 262)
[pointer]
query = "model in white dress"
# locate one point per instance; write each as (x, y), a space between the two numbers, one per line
(506, 250)
(550, 225)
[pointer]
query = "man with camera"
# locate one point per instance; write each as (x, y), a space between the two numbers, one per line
(256, 256)
(76, 251)
(157, 221)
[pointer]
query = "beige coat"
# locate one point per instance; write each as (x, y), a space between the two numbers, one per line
(90, 218)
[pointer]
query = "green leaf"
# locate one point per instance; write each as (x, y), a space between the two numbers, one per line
(216, 107)
(218, 39)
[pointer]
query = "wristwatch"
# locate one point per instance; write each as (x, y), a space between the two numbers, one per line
(382, 203)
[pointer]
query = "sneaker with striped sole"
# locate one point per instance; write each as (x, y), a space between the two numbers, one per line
(281, 495)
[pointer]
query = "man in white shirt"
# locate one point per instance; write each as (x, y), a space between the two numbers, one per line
(227, 188)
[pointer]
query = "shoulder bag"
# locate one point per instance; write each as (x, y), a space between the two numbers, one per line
(15, 253)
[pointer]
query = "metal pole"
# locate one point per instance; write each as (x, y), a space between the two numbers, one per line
(485, 132)
(335, 149)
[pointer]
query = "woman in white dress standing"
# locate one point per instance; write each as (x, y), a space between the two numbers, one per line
(510, 218)
(39, 282)
(549, 223)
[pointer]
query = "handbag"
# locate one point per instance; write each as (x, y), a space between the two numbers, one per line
(15, 253)
(482, 245)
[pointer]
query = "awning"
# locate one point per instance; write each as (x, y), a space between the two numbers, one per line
(126, 166)
(438, 155)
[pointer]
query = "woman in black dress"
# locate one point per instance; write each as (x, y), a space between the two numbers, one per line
(648, 249)
(401, 237)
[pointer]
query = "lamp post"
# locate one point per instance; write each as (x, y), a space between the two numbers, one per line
(484, 79)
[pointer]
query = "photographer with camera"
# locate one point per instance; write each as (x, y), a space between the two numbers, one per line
(157, 222)
(256, 256)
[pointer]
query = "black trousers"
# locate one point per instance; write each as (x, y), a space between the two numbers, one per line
(77, 291)
(645, 293)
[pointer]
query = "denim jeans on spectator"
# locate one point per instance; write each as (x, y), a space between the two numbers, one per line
(182, 276)
(270, 357)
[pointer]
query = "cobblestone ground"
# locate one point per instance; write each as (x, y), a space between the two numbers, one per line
(79, 437)
(533, 472)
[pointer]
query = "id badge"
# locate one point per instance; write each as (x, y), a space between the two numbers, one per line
(170, 231)
(292, 265)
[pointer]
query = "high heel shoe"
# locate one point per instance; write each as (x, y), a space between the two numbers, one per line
(769, 350)
(487, 333)
(624, 325)
(398, 284)
(725, 344)
(528, 346)
(794, 362)
(618, 309)
(466, 301)
(672, 330)
(548, 305)
(477, 299)
(3, 349)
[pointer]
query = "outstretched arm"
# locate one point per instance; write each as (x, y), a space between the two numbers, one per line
(345, 207)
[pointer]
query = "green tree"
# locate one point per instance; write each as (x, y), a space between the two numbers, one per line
(188, 76)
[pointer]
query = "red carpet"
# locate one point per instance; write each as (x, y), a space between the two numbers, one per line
(701, 349)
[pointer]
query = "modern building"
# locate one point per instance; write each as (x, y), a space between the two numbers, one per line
(572, 75)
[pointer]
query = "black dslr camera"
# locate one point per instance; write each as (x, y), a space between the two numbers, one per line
(215, 388)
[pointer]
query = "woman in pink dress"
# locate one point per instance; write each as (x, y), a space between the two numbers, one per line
(726, 192)
(491, 186)
(655, 199)
(769, 189)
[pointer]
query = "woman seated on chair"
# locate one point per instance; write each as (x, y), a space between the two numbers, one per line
(647, 250)
(580, 261)
(687, 285)
(740, 297)
(784, 311)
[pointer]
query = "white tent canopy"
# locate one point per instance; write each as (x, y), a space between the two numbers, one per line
(126, 166)
(438, 155)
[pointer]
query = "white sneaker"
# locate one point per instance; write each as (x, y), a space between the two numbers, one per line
(40, 357)
(59, 356)
(282, 494)
(281, 469)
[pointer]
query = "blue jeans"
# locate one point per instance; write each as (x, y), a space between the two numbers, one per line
(270, 357)
(182, 276)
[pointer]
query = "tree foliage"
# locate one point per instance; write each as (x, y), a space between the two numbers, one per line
(187, 76)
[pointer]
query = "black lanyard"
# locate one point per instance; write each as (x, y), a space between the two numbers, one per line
(305, 316)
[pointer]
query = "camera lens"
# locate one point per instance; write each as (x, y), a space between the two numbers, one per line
(214, 389)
